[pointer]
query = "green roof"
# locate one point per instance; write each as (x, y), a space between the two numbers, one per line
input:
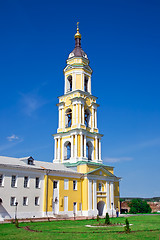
(84, 162)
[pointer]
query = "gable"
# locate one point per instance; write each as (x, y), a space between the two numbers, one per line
(101, 172)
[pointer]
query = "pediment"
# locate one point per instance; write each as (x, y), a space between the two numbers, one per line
(101, 171)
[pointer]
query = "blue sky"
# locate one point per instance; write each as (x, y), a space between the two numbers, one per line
(122, 40)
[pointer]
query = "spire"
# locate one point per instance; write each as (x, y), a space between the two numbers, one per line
(77, 35)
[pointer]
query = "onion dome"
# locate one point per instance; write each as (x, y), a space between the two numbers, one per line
(77, 51)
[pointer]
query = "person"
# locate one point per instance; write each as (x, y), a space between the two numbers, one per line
(117, 211)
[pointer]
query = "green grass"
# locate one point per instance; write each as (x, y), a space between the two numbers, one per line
(144, 227)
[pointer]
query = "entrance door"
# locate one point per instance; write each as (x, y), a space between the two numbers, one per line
(55, 197)
(101, 208)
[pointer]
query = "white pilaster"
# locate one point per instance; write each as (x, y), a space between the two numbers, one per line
(108, 196)
(89, 194)
(92, 117)
(82, 113)
(76, 145)
(55, 148)
(72, 146)
(59, 149)
(85, 146)
(99, 149)
(76, 113)
(96, 149)
(63, 117)
(95, 118)
(81, 145)
(94, 195)
(59, 125)
(112, 193)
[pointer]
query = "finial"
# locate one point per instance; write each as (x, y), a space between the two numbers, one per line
(77, 35)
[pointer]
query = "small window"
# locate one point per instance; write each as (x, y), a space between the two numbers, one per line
(37, 182)
(55, 184)
(13, 201)
(13, 181)
(1, 180)
(26, 182)
(68, 118)
(30, 161)
(86, 84)
(69, 83)
(25, 201)
(65, 184)
(100, 187)
(36, 201)
(74, 185)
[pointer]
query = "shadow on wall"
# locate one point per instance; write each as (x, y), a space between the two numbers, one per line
(3, 213)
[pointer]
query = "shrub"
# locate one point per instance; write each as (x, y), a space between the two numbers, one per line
(16, 223)
(97, 218)
(126, 227)
(107, 220)
(139, 206)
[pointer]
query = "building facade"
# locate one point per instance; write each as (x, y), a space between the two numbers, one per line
(77, 182)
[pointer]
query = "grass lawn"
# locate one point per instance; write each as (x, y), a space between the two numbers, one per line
(144, 227)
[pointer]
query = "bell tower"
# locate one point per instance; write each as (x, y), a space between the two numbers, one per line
(77, 137)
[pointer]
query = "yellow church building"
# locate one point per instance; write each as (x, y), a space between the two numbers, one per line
(84, 186)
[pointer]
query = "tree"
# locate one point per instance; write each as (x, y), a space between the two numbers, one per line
(126, 227)
(107, 221)
(139, 206)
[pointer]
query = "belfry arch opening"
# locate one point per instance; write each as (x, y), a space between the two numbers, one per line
(86, 84)
(69, 83)
(68, 118)
(87, 115)
(67, 150)
(89, 149)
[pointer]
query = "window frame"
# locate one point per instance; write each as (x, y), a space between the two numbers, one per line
(66, 184)
(13, 203)
(36, 201)
(24, 183)
(15, 181)
(26, 202)
(75, 185)
(37, 186)
(2, 180)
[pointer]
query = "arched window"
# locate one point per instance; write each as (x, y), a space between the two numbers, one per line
(69, 83)
(87, 118)
(89, 149)
(100, 187)
(68, 118)
(86, 84)
(67, 150)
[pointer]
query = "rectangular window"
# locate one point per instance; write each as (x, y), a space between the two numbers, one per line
(25, 182)
(36, 201)
(74, 208)
(25, 201)
(74, 185)
(37, 182)
(1, 180)
(65, 184)
(13, 201)
(100, 187)
(13, 181)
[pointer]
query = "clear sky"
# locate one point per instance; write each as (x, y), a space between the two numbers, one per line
(122, 40)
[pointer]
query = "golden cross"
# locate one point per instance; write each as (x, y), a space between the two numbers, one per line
(77, 25)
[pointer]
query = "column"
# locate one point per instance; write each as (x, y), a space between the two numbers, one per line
(76, 145)
(94, 195)
(63, 117)
(73, 114)
(72, 146)
(76, 113)
(85, 146)
(59, 149)
(108, 196)
(55, 148)
(95, 118)
(112, 193)
(96, 149)
(59, 118)
(81, 144)
(82, 113)
(92, 117)
(89, 194)
(99, 149)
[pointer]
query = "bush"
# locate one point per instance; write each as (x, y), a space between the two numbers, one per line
(126, 227)
(16, 223)
(139, 206)
(97, 218)
(107, 220)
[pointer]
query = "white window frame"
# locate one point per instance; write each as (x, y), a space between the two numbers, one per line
(37, 187)
(36, 203)
(27, 186)
(26, 201)
(75, 188)
(65, 203)
(2, 181)
(66, 184)
(15, 185)
(13, 203)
